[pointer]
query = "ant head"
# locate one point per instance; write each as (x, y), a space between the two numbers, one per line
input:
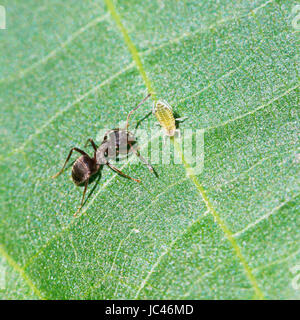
(83, 168)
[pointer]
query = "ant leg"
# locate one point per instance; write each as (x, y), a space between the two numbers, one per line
(121, 173)
(83, 196)
(92, 143)
(129, 114)
(70, 153)
(137, 153)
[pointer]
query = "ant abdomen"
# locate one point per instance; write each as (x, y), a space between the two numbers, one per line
(84, 167)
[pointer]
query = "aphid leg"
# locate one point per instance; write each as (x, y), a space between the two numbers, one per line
(121, 173)
(164, 139)
(137, 153)
(181, 119)
(70, 153)
(178, 133)
(129, 114)
(83, 196)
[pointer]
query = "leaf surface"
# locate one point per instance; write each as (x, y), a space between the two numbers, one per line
(70, 69)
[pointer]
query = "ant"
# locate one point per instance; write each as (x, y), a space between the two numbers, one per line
(115, 142)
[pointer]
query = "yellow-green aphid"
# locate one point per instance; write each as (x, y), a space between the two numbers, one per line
(164, 114)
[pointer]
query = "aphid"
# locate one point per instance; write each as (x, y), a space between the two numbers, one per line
(115, 142)
(164, 114)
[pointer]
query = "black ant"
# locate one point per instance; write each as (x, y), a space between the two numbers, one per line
(115, 142)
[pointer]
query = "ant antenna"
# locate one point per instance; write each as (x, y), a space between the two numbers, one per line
(129, 114)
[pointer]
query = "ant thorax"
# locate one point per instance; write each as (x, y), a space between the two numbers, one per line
(100, 153)
(116, 143)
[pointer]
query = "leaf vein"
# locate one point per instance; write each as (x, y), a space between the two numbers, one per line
(223, 124)
(264, 217)
(53, 53)
(166, 251)
(69, 106)
(278, 261)
(21, 272)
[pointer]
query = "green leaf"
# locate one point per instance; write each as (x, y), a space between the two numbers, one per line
(72, 68)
